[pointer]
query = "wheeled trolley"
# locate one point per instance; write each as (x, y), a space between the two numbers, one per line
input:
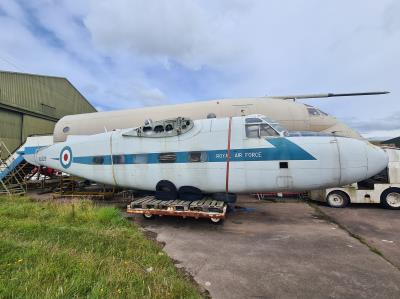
(149, 207)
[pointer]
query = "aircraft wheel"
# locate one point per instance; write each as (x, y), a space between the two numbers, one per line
(165, 186)
(166, 190)
(337, 199)
(190, 193)
(390, 198)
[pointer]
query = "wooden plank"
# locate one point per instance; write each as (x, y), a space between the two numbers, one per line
(158, 202)
(194, 203)
(151, 203)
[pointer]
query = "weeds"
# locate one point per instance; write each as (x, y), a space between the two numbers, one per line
(76, 250)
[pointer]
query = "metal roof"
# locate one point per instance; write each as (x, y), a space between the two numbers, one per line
(41, 96)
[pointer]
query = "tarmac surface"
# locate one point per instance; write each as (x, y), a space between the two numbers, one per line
(288, 250)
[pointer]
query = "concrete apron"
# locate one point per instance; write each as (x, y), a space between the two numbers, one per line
(278, 250)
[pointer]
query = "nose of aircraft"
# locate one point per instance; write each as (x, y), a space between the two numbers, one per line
(377, 160)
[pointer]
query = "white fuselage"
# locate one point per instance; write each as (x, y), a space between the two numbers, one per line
(199, 158)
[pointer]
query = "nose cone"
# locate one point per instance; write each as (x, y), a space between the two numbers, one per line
(377, 159)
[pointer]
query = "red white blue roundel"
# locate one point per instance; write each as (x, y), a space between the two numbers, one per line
(66, 157)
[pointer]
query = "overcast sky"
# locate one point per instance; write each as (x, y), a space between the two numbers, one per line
(134, 53)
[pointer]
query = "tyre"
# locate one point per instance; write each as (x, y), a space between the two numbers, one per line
(190, 193)
(390, 198)
(225, 197)
(165, 186)
(166, 195)
(337, 199)
(148, 216)
(216, 220)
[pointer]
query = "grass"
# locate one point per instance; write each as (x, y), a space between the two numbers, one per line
(77, 250)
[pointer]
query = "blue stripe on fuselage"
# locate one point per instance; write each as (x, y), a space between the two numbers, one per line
(283, 149)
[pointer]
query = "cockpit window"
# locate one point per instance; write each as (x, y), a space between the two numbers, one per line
(260, 130)
(312, 111)
(267, 130)
(253, 120)
(252, 131)
(322, 112)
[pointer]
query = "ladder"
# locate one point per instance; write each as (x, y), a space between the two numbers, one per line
(12, 174)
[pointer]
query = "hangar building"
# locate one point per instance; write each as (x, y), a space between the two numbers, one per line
(32, 104)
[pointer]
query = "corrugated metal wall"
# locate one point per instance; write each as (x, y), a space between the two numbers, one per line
(10, 130)
(34, 126)
(31, 104)
(50, 96)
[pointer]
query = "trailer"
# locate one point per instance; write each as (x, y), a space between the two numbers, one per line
(150, 207)
(381, 189)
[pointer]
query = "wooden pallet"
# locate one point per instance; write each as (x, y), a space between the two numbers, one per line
(207, 205)
(204, 205)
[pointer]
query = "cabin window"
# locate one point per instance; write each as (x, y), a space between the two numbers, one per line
(98, 160)
(141, 159)
(66, 130)
(197, 157)
(167, 157)
(283, 164)
(267, 130)
(169, 128)
(118, 159)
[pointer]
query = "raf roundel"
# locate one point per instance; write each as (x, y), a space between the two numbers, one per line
(66, 157)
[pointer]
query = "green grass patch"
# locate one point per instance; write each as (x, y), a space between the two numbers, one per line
(78, 250)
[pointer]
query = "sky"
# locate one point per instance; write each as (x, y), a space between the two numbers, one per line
(133, 53)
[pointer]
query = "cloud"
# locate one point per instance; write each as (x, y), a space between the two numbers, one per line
(123, 54)
(389, 123)
(189, 32)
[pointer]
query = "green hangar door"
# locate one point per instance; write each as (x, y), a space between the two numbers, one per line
(10, 130)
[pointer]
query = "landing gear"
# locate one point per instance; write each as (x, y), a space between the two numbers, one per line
(337, 199)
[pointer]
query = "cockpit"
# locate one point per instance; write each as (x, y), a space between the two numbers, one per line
(258, 126)
(312, 111)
